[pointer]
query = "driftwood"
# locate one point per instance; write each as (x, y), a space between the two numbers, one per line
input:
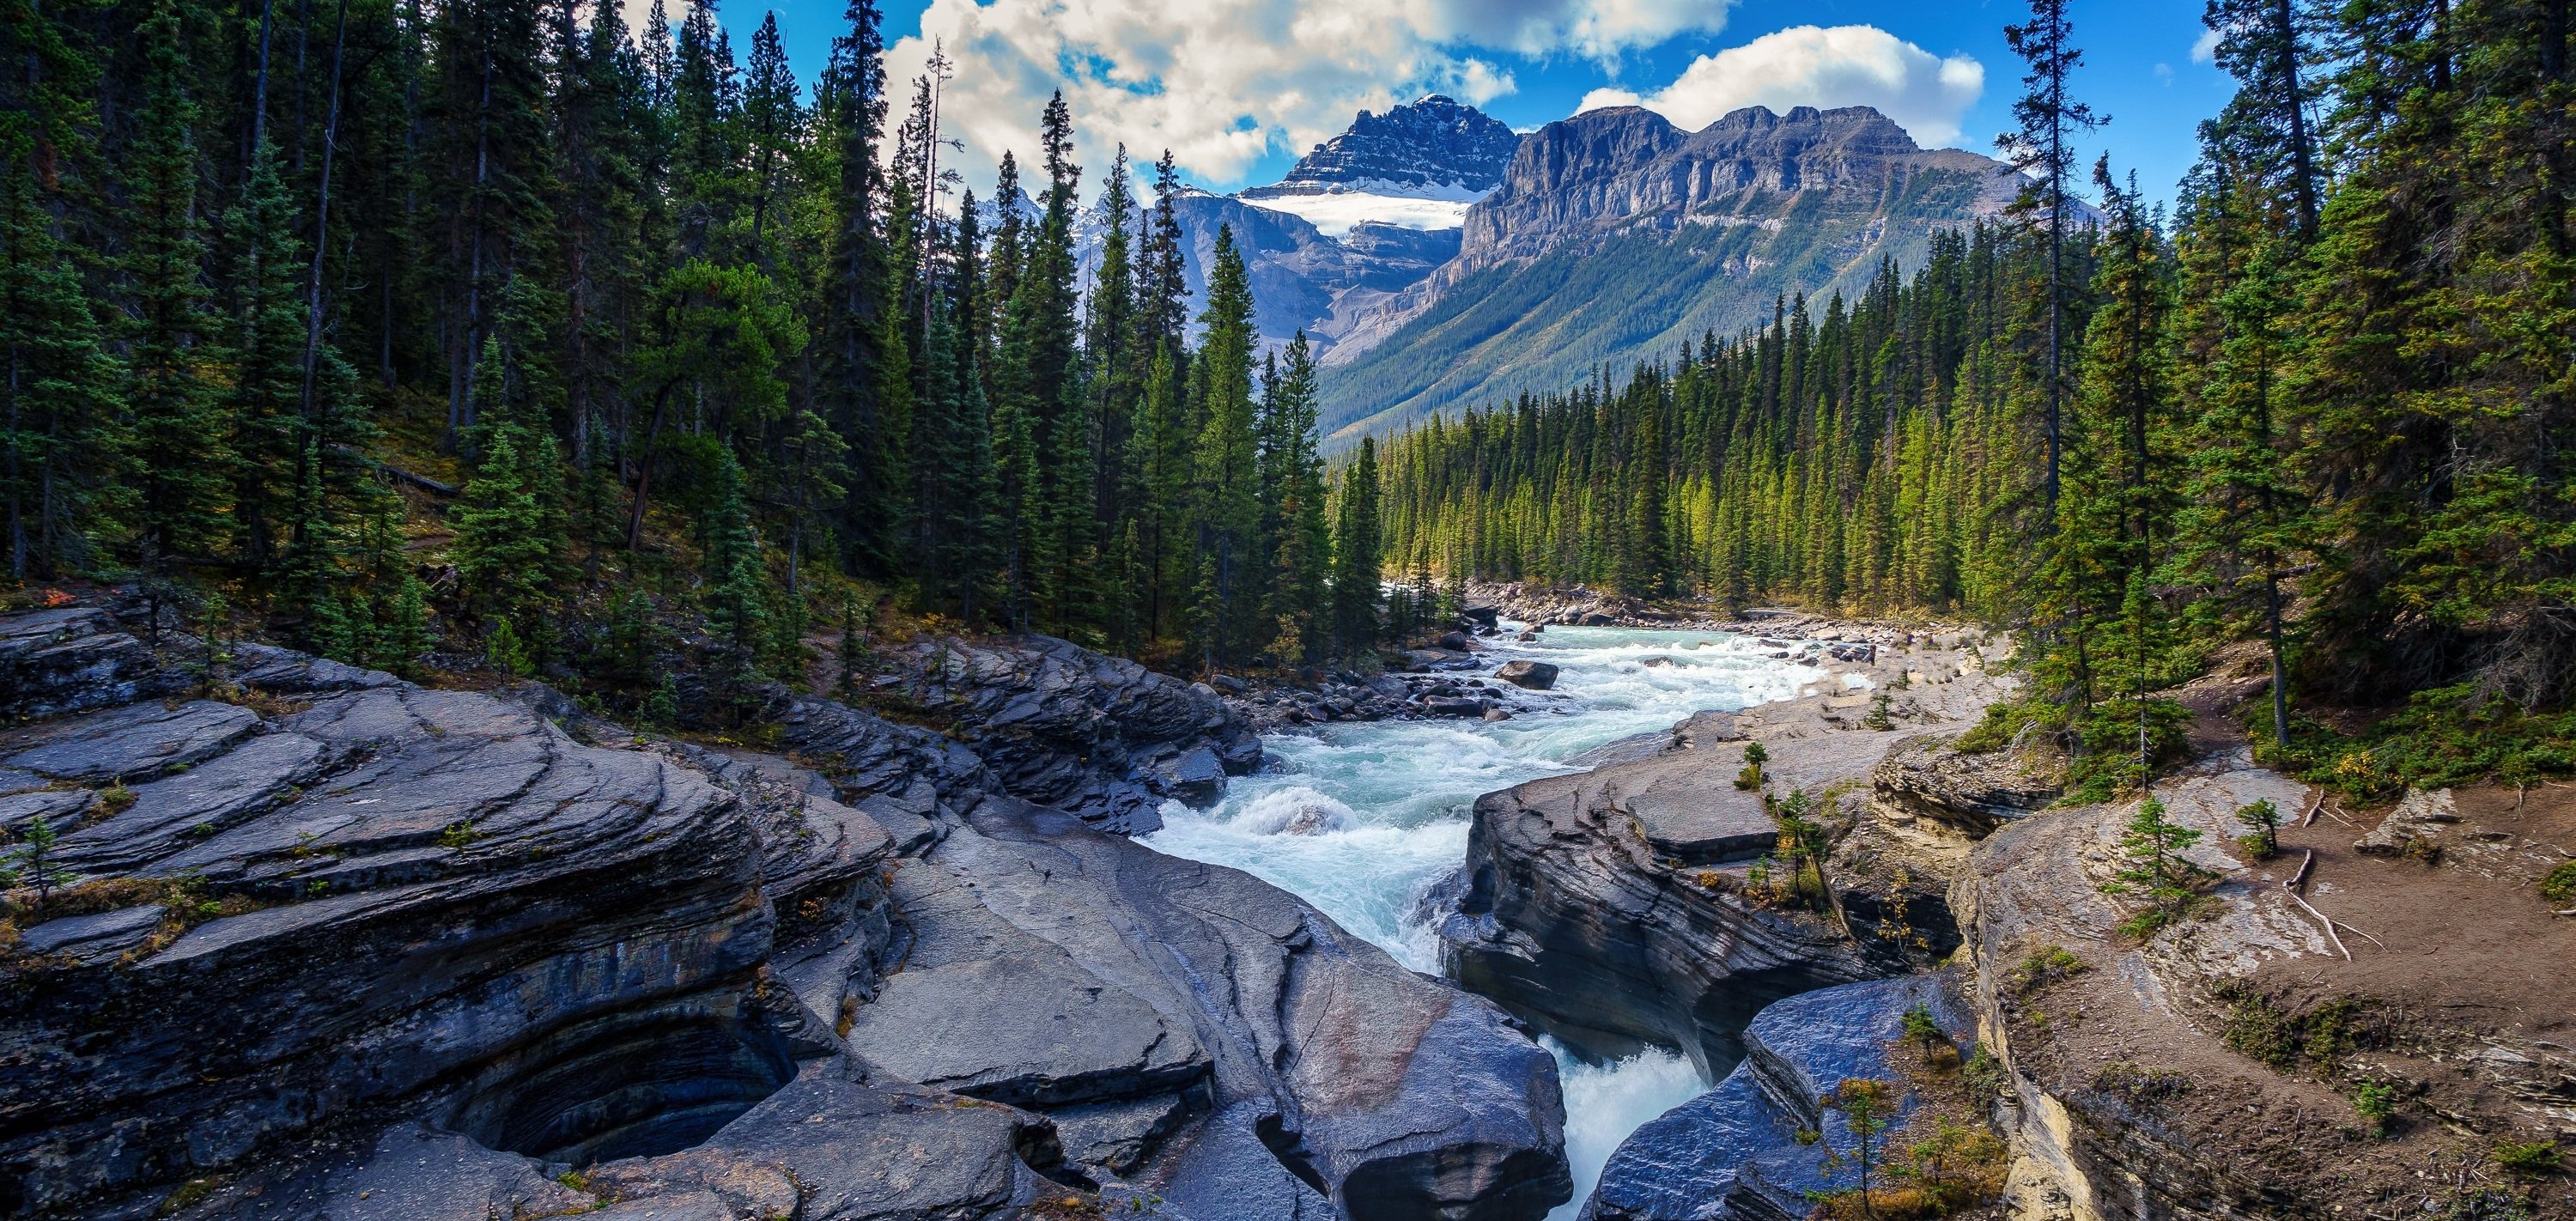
(2291, 888)
(2358, 933)
(2313, 807)
(2321, 919)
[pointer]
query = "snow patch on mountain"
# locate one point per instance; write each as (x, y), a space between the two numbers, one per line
(1336, 213)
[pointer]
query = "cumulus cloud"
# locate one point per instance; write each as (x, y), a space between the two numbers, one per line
(1594, 29)
(2204, 49)
(1848, 65)
(1224, 83)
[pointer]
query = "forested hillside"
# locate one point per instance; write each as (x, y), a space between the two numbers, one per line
(1616, 234)
(2323, 408)
(505, 335)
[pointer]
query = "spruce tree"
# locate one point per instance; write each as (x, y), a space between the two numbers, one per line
(59, 389)
(1225, 509)
(734, 589)
(177, 437)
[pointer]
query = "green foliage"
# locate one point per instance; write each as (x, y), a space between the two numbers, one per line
(1878, 717)
(2153, 868)
(2376, 1103)
(1922, 1029)
(2529, 1160)
(506, 653)
(2442, 737)
(2263, 822)
(2045, 966)
(1869, 1108)
(33, 863)
(2560, 885)
(2261, 1029)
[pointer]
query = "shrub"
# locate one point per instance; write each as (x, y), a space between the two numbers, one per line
(2376, 1103)
(2045, 966)
(1922, 1031)
(2263, 820)
(1879, 717)
(2527, 1161)
(1750, 778)
(2560, 885)
(2442, 738)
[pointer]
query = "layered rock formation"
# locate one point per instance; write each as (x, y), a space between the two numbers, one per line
(1755, 1148)
(1061, 725)
(337, 946)
(1616, 908)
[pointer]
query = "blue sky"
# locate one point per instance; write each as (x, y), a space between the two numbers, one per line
(1295, 71)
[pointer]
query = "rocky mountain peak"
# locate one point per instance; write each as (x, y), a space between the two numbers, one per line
(1437, 147)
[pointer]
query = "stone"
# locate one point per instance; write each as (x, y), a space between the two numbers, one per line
(1058, 724)
(71, 658)
(1196, 779)
(1584, 910)
(2415, 825)
(1734, 1152)
(91, 939)
(863, 981)
(1534, 675)
(1172, 976)
(135, 742)
(1496, 714)
(1456, 705)
(1975, 793)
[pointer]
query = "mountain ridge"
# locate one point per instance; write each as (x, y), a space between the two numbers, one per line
(1615, 234)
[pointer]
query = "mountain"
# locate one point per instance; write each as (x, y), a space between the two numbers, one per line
(1415, 166)
(1615, 235)
(1360, 219)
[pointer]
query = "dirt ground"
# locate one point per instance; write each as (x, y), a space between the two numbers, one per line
(2245, 1038)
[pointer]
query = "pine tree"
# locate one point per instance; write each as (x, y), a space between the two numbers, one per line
(264, 355)
(2042, 148)
(2153, 868)
(1225, 509)
(1300, 609)
(735, 592)
(59, 401)
(177, 435)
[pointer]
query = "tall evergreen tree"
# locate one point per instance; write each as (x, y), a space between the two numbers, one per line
(177, 439)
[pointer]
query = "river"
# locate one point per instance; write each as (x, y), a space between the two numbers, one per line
(1361, 817)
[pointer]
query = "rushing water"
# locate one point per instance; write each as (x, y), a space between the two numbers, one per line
(1360, 818)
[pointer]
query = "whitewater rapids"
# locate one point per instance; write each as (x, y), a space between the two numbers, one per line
(1361, 818)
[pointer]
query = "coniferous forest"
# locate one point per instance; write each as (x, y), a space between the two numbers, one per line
(507, 334)
(2320, 412)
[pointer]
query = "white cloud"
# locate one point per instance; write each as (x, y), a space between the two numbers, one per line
(1847, 65)
(1595, 29)
(2204, 49)
(1224, 83)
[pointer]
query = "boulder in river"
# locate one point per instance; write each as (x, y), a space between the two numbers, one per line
(1534, 675)
(1607, 907)
(1061, 725)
